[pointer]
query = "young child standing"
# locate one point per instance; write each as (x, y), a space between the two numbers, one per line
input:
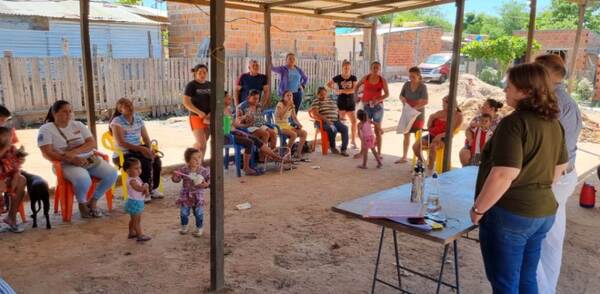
(137, 191)
(196, 179)
(477, 137)
(367, 139)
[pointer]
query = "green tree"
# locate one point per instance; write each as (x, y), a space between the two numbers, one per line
(483, 24)
(130, 2)
(504, 50)
(514, 16)
(563, 14)
(429, 17)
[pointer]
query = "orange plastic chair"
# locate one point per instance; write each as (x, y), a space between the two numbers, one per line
(63, 195)
(324, 135)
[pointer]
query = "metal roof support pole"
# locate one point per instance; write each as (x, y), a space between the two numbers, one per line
(268, 53)
(373, 43)
(217, 77)
(530, 29)
(573, 59)
(86, 60)
(454, 72)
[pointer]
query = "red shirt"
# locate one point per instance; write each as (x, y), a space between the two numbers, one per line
(371, 91)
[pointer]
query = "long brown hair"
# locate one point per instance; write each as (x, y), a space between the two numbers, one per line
(553, 63)
(534, 79)
(117, 112)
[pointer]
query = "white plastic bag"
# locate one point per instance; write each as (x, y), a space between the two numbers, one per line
(408, 117)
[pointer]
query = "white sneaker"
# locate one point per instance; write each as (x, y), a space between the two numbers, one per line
(147, 199)
(183, 230)
(199, 232)
(156, 194)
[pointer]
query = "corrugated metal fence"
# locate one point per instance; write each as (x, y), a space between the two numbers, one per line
(31, 85)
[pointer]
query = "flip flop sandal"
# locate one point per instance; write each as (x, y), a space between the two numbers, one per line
(305, 160)
(252, 173)
(143, 238)
(132, 236)
(16, 229)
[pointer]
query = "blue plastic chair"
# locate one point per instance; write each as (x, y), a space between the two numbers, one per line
(270, 118)
(237, 150)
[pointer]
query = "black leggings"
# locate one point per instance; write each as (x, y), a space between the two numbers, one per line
(150, 168)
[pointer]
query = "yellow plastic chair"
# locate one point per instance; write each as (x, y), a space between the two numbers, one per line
(109, 143)
(438, 166)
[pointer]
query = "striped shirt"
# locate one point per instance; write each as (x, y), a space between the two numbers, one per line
(327, 108)
(5, 288)
(132, 132)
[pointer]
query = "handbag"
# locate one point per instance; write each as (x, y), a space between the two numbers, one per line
(91, 161)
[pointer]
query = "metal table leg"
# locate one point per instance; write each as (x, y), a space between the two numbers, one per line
(397, 260)
(439, 281)
(455, 244)
(377, 262)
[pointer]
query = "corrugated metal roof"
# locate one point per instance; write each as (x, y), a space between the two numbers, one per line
(69, 9)
(384, 29)
(345, 10)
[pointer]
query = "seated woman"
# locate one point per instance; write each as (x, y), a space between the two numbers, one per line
(490, 107)
(252, 118)
(436, 125)
(11, 180)
(131, 136)
(63, 139)
(283, 113)
(247, 141)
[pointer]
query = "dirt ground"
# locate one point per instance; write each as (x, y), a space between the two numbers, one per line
(288, 242)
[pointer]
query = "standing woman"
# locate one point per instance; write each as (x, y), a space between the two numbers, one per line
(196, 99)
(71, 143)
(414, 93)
(514, 203)
(570, 118)
(346, 86)
(131, 135)
(292, 79)
(374, 92)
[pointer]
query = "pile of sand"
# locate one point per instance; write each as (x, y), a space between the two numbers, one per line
(472, 93)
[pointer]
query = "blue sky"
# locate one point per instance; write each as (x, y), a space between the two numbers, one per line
(487, 6)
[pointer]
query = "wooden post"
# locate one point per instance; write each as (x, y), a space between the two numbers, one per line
(217, 78)
(454, 72)
(373, 43)
(86, 60)
(246, 50)
(384, 58)
(353, 57)
(530, 29)
(268, 53)
(150, 49)
(573, 61)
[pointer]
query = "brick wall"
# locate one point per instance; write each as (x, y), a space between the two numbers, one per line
(564, 40)
(189, 26)
(409, 48)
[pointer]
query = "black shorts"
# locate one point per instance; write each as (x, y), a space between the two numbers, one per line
(345, 103)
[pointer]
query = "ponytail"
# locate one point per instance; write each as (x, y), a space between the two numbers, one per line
(54, 109)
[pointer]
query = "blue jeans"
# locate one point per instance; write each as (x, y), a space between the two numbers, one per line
(298, 100)
(511, 246)
(81, 179)
(375, 113)
(198, 214)
(342, 129)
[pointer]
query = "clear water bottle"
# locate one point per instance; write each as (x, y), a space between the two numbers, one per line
(433, 199)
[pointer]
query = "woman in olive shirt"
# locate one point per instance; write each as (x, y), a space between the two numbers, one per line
(514, 204)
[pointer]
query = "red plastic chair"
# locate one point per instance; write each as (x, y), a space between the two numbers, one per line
(64, 194)
(324, 135)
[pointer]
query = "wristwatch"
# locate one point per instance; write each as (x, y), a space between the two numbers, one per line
(476, 211)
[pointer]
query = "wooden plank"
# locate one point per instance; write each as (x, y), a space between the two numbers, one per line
(17, 70)
(48, 83)
(37, 84)
(100, 69)
(7, 84)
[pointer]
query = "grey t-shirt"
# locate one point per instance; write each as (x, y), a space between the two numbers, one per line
(570, 118)
(413, 97)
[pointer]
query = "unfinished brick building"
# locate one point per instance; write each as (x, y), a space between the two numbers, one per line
(189, 29)
(561, 42)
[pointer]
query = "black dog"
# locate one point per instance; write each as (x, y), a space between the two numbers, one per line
(38, 192)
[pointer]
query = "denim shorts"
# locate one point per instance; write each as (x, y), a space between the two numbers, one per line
(375, 113)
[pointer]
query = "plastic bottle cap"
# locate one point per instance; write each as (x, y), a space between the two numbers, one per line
(435, 176)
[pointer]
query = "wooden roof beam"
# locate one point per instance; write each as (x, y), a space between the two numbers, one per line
(359, 5)
(285, 2)
(400, 9)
